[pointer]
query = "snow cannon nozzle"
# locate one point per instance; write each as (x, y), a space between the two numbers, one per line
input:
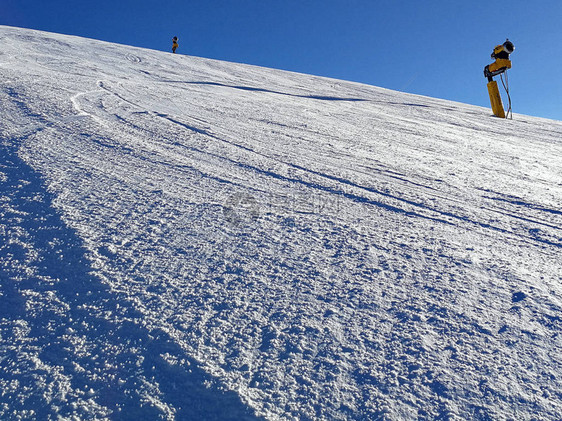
(508, 46)
(503, 51)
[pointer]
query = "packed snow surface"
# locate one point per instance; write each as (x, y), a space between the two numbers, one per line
(190, 239)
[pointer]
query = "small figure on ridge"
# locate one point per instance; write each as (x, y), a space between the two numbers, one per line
(174, 44)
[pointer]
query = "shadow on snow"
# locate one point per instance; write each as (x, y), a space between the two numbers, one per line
(78, 337)
(252, 89)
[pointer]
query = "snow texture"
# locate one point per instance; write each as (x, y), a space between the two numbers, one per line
(184, 238)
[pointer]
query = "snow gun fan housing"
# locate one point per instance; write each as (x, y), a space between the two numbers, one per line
(501, 55)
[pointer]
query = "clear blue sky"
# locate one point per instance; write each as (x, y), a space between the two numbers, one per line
(435, 47)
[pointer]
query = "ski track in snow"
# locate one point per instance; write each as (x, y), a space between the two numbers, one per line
(185, 238)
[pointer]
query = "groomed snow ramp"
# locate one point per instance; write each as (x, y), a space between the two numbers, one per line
(184, 238)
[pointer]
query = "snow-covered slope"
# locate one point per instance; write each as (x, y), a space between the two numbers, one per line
(185, 238)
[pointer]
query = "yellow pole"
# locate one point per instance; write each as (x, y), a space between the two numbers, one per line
(496, 99)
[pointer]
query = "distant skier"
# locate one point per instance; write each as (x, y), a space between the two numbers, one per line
(174, 44)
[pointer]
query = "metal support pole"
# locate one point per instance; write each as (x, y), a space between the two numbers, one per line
(496, 99)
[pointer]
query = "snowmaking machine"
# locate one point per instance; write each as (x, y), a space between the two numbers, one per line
(498, 67)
